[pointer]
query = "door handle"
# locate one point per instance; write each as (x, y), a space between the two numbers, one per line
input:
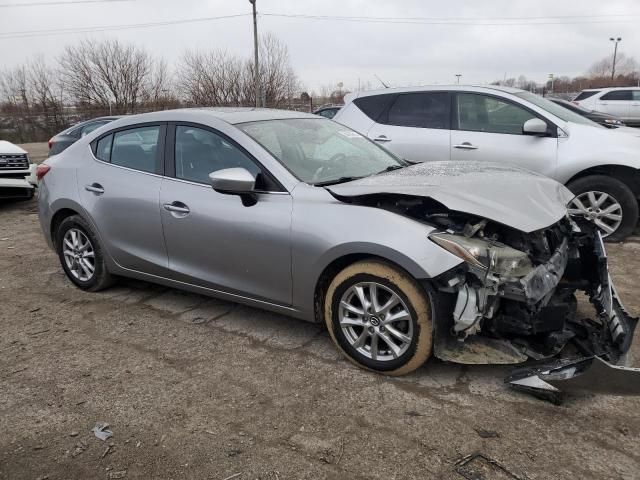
(177, 207)
(465, 146)
(94, 188)
(381, 139)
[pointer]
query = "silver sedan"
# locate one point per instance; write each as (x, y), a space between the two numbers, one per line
(471, 262)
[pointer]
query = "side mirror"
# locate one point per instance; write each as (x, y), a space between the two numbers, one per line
(535, 126)
(235, 181)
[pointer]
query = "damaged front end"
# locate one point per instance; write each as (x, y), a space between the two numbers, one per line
(515, 299)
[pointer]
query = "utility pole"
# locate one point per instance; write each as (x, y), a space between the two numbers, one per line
(255, 53)
(458, 75)
(551, 79)
(615, 54)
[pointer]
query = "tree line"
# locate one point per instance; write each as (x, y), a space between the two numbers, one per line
(109, 77)
(601, 74)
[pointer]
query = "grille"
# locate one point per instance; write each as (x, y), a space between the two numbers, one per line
(14, 162)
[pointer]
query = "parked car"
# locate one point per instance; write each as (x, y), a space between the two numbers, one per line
(604, 119)
(509, 125)
(473, 262)
(329, 111)
(58, 143)
(623, 102)
(17, 173)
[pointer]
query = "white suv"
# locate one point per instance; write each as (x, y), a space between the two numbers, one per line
(502, 124)
(623, 102)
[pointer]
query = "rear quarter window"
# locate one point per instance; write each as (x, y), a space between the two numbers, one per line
(585, 95)
(103, 148)
(373, 105)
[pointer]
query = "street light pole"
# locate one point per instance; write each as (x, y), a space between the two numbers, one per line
(458, 75)
(615, 54)
(255, 53)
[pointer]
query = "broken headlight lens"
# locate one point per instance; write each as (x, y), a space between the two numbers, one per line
(495, 258)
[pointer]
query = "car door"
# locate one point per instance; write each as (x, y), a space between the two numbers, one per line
(217, 240)
(416, 126)
(120, 190)
(489, 128)
(634, 110)
(615, 102)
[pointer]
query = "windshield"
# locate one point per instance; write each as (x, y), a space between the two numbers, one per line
(555, 109)
(319, 151)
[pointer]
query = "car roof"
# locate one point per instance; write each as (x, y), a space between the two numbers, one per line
(609, 89)
(426, 88)
(231, 115)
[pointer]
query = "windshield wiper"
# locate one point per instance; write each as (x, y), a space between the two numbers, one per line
(336, 181)
(390, 169)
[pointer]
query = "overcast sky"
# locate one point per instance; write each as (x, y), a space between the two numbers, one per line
(329, 51)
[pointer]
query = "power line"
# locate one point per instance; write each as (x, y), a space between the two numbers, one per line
(463, 21)
(63, 31)
(468, 21)
(66, 2)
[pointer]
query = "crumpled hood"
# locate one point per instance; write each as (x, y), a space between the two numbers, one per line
(506, 194)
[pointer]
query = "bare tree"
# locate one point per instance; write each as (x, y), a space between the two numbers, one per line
(111, 74)
(211, 78)
(625, 66)
(219, 78)
(277, 78)
(31, 98)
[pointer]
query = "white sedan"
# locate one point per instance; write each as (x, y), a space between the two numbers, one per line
(17, 173)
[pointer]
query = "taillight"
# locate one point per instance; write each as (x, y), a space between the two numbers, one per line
(41, 170)
(50, 143)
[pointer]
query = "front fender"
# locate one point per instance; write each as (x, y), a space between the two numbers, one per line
(325, 231)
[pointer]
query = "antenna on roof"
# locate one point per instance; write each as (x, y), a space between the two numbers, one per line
(380, 80)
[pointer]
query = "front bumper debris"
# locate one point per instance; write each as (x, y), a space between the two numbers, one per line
(605, 349)
(584, 375)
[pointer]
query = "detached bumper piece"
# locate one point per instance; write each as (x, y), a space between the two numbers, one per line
(552, 382)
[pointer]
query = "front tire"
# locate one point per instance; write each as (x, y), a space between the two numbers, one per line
(607, 202)
(81, 255)
(379, 317)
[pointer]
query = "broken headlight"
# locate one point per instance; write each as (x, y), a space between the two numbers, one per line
(490, 257)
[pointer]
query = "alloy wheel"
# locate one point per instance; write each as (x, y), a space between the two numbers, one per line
(79, 254)
(375, 321)
(600, 208)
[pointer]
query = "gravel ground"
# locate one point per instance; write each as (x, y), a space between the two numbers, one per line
(197, 388)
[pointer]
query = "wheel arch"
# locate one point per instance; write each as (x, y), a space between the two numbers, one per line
(57, 219)
(628, 175)
(335, 267)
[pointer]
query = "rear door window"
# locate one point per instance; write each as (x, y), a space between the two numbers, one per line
(423, 110)
(483, 113)
(136, 148)
(618, 95)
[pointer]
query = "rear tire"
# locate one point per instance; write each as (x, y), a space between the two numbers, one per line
(390, 340)
(618, 192)
(81, 255)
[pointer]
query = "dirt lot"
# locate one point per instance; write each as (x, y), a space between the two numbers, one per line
(202, 389)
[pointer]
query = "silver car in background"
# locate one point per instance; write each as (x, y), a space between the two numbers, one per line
(510, 126)
(472, 262)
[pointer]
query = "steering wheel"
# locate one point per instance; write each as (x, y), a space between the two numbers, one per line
(329, 165)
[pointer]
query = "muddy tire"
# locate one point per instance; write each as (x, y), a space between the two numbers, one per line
(81, 256)
(379, 317)
(617, 200)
